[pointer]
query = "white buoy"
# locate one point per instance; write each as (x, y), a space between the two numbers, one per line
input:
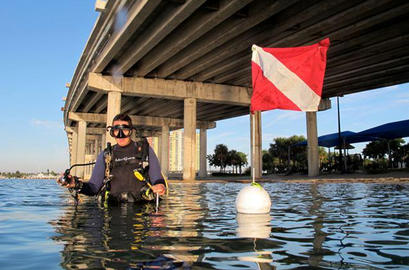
(253, 199)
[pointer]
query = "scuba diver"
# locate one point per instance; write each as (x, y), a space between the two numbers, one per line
(129, 171)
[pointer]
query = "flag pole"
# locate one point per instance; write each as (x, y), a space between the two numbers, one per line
(253, 154)
(253, 127)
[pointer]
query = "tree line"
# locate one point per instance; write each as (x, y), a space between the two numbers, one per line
(224, 157)
(288, 155)
(17, 174)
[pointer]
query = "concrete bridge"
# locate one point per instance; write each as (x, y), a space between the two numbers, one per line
(175, 64)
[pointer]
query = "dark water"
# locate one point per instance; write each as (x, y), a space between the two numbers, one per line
(329, 226)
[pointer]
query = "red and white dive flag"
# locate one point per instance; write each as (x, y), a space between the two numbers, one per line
(288, 78)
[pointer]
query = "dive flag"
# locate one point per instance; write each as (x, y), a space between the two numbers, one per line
(288, 78)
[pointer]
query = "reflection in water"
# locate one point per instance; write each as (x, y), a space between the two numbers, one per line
(253, 226)
(130, 235)
(256, 227)
(315, 257)
(334, 226)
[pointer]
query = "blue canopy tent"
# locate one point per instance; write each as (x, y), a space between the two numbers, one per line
(393, 130)
(389, 131)
(347, 137)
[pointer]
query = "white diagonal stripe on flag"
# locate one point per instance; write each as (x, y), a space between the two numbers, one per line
(286, 81)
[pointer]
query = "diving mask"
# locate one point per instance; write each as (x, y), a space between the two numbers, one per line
(120, 131)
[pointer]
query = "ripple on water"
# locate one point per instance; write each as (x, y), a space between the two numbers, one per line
(322, 225)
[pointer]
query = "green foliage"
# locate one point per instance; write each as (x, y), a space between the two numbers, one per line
(219, 158)
(222, 158)
(243, 160)
(268, 162)
(279, 151)
(378, 149)
(393, 149)
(376, 166)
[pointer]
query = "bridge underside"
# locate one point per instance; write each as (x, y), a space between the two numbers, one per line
(209, 41)
(205, 46)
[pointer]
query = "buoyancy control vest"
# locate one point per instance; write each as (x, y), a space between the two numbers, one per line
(124, 186)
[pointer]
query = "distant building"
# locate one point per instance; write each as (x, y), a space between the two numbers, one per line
(176, 150)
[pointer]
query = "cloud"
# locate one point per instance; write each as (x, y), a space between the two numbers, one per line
(47, 124)
(286, 115)
(373, 93)
(403, 100)
(221, 136)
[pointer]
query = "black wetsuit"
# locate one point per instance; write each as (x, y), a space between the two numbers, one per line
(124, 183)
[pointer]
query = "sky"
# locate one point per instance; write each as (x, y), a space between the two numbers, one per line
(41, 44)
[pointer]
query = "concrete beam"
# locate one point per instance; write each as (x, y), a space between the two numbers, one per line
(135, 17)
(210, 56)
(171, 89)
(138, 120)
(229, 29)
(92, 101)
(195, 27)
(93, 131)
(101, 132)
(156, 31)
(337, 28)
(375, 82)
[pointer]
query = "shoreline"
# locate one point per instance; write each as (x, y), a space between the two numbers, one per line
(393, 177)
(389, 177)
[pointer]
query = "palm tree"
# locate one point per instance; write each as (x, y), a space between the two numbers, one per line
(234, 159)
(242, 160)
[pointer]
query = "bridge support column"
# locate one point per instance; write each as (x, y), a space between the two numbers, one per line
(97, 145)
(256, 160)
(82, 133)
(164, 161)
(312, 140)
(113, 108)
(189, 139)
(159, 152)
(103, 141)
(203, 152)
(74, 148)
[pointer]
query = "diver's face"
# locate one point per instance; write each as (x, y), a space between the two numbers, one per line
(122, 141)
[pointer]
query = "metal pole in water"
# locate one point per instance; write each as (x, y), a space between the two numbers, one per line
(254, 146)
(157, 202)
(339, 138)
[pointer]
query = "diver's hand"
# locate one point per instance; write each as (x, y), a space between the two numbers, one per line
(159, 188)
(70, 180)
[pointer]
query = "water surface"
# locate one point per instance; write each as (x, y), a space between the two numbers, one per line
(328, 226)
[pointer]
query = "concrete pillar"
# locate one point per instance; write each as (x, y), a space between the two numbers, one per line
(103, 141)
(159, 152)
(203, 152)
(82, 133)
(164, 162)
(74, 149)
(312, 140)
(113, 108)
(256, 158)
(97, 146)
(189, 139)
